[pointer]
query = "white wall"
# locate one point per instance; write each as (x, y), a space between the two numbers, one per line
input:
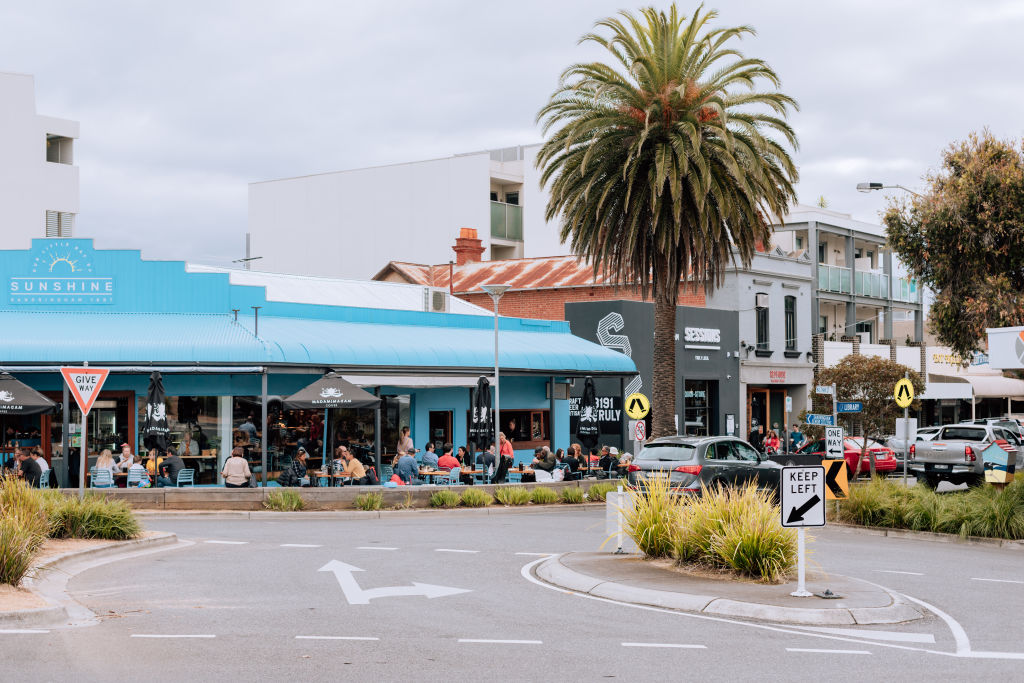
(351, 223)
(29, 184)
(540, 237)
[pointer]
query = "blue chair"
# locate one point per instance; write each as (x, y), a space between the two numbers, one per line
(453, 477)
(386, 472)
(515, 477)
(134, 477)
(186, 476)
(101, 479)
(482, 477)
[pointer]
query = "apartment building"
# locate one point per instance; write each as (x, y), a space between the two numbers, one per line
(361, 218)
(39, 195)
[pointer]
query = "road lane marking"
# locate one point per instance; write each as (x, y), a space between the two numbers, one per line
(359, 596)
(453, 550)
(228, 542)
(335, 638)
(827, 652)
(300, 545)
(501, 642)
(14, 631)
(893, 636)
(997, 580)
(894, 571)
(684, 646)
(536, 554)
(374, 547)
(172, 635)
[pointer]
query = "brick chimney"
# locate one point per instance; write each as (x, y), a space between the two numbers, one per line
(468, 248)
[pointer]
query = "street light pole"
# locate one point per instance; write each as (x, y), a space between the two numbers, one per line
(496, 291)
(869, 187)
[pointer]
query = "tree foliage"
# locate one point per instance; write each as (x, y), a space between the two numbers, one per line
(870, 380)
(667, 161)
(965, 239)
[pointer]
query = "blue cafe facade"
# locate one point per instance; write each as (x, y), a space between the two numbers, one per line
(227, 354)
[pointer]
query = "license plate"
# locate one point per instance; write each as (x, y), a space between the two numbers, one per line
(944, 468)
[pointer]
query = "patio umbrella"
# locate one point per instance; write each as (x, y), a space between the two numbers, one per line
(154, 430)
(481, 430)
(17, 398)
(587, 428)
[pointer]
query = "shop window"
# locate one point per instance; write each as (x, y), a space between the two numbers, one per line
(524, 428)
(395, 413)
(697, 401)
(761, 317)
(790, 323)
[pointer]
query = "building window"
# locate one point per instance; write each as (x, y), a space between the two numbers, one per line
(821, 253)
(512, 197)
(799, 243)
(790, 323)
(761, 316)
(524, 428)
(58, 149)
(59, 224)
(822, 324)
(494, 196)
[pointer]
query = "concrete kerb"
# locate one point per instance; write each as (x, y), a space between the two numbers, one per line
(929, 536)
(361, 514)
(554, 572)
(57, 612)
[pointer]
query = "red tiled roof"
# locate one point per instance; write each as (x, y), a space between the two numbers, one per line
(525, 273)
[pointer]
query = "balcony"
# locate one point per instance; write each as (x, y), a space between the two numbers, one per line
(833, 279)
(506, 221)
(872, 284)
(906, 289)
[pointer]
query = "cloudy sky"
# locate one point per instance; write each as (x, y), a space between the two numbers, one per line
(183, 104)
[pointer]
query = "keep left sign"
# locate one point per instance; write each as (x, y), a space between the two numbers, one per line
(85, 385)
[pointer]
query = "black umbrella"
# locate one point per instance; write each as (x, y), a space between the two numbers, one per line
(17, 398)
(588, 428)
(481, 429)
(331, 391)
(154, 430)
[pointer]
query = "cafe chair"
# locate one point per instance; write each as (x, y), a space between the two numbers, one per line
(186, 476)
(515, 476)
(44, 480)
(386, 472)
(453, 477)
(102, 479)
(134, 478)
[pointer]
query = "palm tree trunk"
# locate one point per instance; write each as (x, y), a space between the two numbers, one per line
(663, 390)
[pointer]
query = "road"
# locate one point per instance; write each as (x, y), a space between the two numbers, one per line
(248, 601)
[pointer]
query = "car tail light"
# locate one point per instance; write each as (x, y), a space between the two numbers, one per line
(913, 451)
(969, 454)
(633, 468)
(688, 469)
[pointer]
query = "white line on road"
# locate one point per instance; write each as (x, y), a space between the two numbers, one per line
(173, 635)
(501, 642)
(228, 542)
(452, 550)
(536, 554)
(374, 547)
(891, 636)
(997, 580)
(677, 645)
(894, 571)
(827, 652)
(335, 638)
(22, 630)
(300, 545)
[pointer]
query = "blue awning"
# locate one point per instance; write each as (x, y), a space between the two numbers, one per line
(372, 340)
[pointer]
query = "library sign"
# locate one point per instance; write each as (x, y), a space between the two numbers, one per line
(61, 273)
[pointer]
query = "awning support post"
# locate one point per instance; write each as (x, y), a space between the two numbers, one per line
(264, 435)
(65, 438)
(376, 432)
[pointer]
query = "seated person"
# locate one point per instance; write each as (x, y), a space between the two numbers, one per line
(126, 459)
(139, 469)
(429, 456)
(543, 459)
(169, 469)
(407, 468)
(153, 460)
(353, 467)
(609, 458)
(594, 458)
(295, 473)
(447, 461)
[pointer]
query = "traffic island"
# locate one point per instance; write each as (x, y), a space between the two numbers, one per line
(632, 579)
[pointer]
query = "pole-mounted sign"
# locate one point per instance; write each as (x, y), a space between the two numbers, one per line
(85, 384)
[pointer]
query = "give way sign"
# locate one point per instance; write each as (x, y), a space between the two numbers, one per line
(85, 385)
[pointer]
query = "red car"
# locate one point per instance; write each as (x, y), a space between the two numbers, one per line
(885, 458)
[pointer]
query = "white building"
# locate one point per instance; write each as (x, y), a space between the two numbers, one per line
(349, 223)
(38, 179)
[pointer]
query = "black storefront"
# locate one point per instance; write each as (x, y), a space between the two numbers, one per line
(707, 365)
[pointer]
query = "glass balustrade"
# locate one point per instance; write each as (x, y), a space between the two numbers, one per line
(506, 221)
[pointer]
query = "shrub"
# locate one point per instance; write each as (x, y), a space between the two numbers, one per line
(475, 498)
(512, 495)
(572, 495)
(598, 492)
(23, 529)
(91, 517)
(543, 496)
(284, 501)
(369, 501)
(444, 499)
(752, 541)
(653, 517)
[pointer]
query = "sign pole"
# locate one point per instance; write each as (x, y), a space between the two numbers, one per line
(835, 410)
(83, 457)
(906, 436)
(801, 569)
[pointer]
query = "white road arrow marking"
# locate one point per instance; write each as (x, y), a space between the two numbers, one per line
(360, 596)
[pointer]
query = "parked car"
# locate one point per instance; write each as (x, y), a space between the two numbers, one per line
(896, 442)
(955, 455)
(690, 462)
(1008, 423)
(885, 459)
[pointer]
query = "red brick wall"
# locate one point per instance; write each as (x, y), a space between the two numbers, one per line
(549, 304)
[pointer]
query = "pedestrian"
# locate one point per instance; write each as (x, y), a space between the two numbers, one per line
(236, 472)
(771, 443)
(169, 468)
(506, 446)
(796, 438)
(28, 468)
(405, 445)
(756, 438)
(429, 456)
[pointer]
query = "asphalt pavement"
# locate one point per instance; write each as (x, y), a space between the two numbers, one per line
(320, 599)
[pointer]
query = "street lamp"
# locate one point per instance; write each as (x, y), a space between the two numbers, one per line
(496, 291)
(869, 187)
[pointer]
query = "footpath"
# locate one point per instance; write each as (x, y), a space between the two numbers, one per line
(632, 579)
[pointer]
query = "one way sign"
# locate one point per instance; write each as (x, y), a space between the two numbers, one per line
(802, 492)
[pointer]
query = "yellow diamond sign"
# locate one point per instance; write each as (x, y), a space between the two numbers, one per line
(903, 393)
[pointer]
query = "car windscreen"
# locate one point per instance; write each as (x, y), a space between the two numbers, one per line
(667, 452)
(962, 434)
(1010, 425)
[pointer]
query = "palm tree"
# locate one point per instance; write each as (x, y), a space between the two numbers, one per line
(667, 163)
